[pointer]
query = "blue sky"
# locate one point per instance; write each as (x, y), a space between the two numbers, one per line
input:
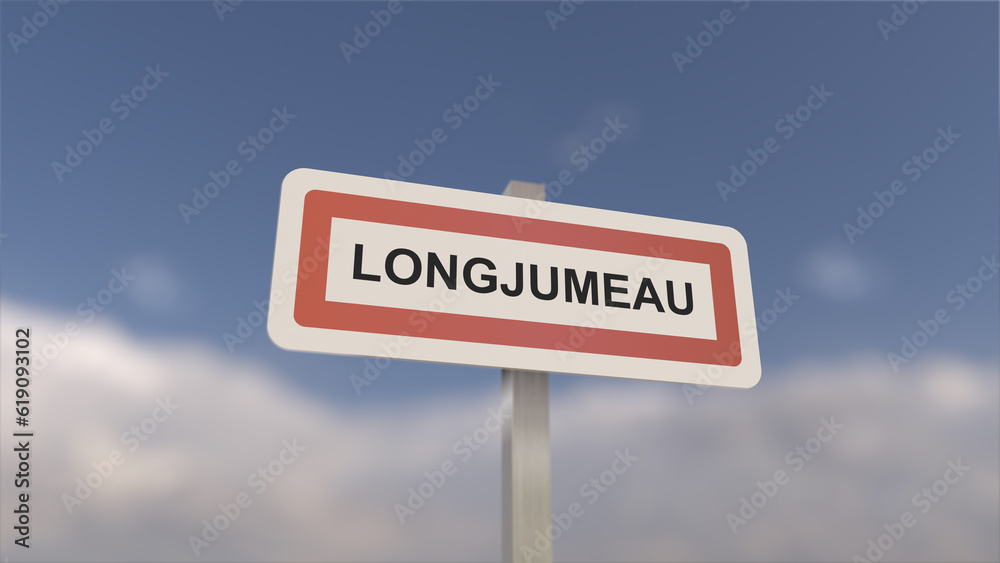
(68, 237)
(120, 206)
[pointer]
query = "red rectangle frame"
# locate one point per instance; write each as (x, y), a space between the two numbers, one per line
(313, 310)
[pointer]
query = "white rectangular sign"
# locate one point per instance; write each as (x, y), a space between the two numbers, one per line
(373, 267)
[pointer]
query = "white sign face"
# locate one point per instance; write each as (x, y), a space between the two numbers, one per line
(373, 267)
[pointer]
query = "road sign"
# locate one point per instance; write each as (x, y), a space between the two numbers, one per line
(373, 267)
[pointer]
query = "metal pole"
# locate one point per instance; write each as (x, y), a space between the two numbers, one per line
(527, 474)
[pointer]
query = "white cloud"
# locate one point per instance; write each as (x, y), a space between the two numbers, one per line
(842, 274)
(590, 127)
(155, 288)
(335, 501)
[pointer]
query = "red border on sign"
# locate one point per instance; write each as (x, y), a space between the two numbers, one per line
(313, 310)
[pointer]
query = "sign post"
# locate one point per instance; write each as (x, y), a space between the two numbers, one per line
(375, 267)
(527, 475)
